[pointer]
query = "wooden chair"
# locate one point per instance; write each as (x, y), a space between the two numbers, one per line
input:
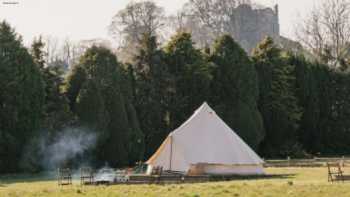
(86, 176)
(64, 177)
(157, 174)
(335, 173)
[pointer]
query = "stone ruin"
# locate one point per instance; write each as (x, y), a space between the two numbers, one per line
(252, 25)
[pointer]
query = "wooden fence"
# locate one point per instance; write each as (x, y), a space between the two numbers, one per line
(315, 162)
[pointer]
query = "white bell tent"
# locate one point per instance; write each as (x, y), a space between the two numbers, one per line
(205, 140)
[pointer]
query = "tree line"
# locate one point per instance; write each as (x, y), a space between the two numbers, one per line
(277, 101)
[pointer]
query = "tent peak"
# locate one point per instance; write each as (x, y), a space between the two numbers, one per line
(205, 107)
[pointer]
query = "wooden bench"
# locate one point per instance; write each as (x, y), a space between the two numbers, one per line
(64, 177)
(336, 173)
(86, 176)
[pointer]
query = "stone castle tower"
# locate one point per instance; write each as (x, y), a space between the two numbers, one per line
(253, 25)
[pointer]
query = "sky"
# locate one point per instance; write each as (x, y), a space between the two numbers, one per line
(89, 19)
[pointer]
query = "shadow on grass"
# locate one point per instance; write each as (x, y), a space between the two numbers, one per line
(262, 177)
(280, 176)
(25, 178)
(45, 177)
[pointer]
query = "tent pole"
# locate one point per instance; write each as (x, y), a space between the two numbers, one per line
(171, 151)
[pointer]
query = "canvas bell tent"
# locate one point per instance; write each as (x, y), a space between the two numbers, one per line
(206, 145)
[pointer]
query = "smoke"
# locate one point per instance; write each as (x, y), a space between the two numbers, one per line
(68, 145)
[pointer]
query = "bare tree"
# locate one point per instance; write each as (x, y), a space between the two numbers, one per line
(326, 32)
(129, 24)
(206, 19)
(216, 14)
(63, 53)
(68, 51)
(51, 48)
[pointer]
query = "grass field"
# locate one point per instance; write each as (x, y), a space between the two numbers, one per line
(298, 182)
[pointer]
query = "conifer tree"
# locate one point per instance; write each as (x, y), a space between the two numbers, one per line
(190, 78)
(21, 98)
(96, 90)
(278, 102)
(235, 90)
(150, 75)
(56, 109)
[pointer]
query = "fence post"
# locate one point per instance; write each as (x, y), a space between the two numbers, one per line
(288, 159)
(264, 164)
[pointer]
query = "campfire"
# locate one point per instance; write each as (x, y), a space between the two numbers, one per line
(105, 176)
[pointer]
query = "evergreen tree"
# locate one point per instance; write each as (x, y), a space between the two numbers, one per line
(74, 83)
(56, 109)
(151, 82)
(309, 95)
(96, 92)
(21, 98)
(335, 111)
(37, 52)
(278, 102)
(323, 94)
(55, 114)
(235, 90)
(190, 78)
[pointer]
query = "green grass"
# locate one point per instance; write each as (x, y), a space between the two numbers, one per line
(298, 182)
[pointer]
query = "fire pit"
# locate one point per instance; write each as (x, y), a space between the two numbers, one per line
(105, 176)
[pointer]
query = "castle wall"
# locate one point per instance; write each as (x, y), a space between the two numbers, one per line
(253, 25)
